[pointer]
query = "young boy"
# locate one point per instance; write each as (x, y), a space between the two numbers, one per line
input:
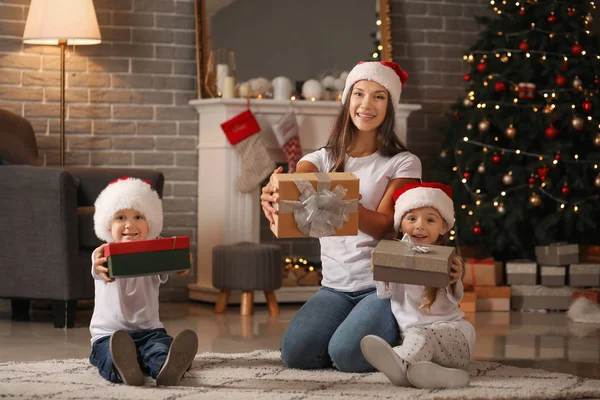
(128, 339)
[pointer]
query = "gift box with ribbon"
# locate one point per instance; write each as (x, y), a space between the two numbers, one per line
(540, 297)
(148, 257)
(482, 272)
(493, 298)
(584, 275)
(416, 264)
(592, 295)
(557, 254)
(521, 272)
(553, 276)
(468, 303)
(316, 204)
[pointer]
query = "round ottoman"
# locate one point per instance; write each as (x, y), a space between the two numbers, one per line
(247, 267)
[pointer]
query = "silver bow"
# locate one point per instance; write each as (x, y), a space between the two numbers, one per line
(319, 212)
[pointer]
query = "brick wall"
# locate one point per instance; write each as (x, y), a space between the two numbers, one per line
(429, 38)
(126, 98)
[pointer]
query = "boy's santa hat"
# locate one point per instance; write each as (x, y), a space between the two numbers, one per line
(426, 194)
(127, 193)
(387, 73)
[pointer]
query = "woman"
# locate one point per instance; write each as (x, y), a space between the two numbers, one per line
(327, 330)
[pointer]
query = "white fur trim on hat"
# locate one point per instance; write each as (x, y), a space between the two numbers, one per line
(376, 72)
(129, 193)
(424, 197)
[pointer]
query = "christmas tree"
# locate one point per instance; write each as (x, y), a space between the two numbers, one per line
(522, 148)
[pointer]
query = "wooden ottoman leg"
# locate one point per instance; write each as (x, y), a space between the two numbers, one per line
(247, 303)
(272, 302)
(222, 301)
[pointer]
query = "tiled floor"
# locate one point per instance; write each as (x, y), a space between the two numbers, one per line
(537, 340)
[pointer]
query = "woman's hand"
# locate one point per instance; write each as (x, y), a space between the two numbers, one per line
(269, 196)
(457, 270)
(187, 271)
(99, 261)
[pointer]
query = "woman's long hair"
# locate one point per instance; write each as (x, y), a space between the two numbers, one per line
(344, 132)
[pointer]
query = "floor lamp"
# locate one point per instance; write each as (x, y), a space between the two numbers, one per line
(62, 23)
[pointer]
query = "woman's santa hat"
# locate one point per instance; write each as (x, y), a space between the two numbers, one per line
(127, 193)
(426, 194)
(387, 73)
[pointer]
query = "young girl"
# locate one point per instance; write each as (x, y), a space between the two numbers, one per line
(128, 339)
(327, 330)
(438, 341)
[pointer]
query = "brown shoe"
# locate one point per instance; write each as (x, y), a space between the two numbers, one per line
(179, 360)
(124, 357)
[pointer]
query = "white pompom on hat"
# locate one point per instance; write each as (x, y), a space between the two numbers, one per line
(387, 73)
(426, 194)
(127, 193)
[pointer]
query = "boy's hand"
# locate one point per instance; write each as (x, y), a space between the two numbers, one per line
(99, 261)
(457, 270)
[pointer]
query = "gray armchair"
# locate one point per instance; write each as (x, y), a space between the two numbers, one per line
(46, 224)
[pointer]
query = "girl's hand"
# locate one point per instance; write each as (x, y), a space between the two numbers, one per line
(187, 271)
(269, 196)
(457, 270)
(99, 261)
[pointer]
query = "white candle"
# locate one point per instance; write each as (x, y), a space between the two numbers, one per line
(222, 72)
(282, 88)
(245, 90)
(229, 87)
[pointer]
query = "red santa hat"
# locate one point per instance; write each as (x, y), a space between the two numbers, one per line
(127, 193)
(387, 73)
(426, 194)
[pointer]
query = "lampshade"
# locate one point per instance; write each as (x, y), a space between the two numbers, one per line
(49, 21)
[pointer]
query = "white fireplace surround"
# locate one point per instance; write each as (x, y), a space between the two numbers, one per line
(225, 215)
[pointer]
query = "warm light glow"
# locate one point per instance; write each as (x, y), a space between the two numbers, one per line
(555, 162)
(478, 202)
(463, 207)
(575, 208)
(464, 181)
(380, 47)
(375, 55)
(378, 22)
(466, 139)
(562, 206)
(496, 204)
(470, 212)
(518, 151)
(503, 193)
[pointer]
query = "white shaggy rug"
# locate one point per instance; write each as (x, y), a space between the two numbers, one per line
(260, 375)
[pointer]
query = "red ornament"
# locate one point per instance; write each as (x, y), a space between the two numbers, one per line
(522, 11)
(542, 173)
(557, 156)
(500, 86)
(565, 190)
(496, 158)
(524, 46)
(564, 66)
(456, 116)
(552, 18)
(586, 106)
(467, 175)
(571, 12)
(467, 77)
(481, 67)
(561, 80)
(551, 132)
(477, 230)
(532, 179)
(577, 49)
(596, 80)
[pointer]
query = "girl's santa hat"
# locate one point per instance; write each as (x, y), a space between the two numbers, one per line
(127, 193)
(426, 194)
(387, 73)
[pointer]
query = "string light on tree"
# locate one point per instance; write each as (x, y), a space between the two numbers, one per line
(535, 200)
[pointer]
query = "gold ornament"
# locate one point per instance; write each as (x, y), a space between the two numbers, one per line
(597, 181)
(535, 200)
(484, 125)
(467, 102)
(443, 154)
(501, 209)
(589, 18)
(597, 140)
(577, 84)
(547, 109)
(577, 123)
(510, 132)
(504, 59)
(469, 126)
(507, 179)
(481, 168)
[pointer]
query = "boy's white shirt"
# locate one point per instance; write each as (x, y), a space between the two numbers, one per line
(406, 300)
(125, 304)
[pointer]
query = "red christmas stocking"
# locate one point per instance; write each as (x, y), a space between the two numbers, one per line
(242, 131)
(287, 134)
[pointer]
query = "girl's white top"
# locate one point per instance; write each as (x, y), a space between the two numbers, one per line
(346, 260)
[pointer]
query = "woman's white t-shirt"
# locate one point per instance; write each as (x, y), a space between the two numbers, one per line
(346, 260)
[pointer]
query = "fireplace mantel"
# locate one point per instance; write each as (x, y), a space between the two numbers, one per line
(227, 216)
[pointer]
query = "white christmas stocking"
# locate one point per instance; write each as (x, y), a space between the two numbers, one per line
(287, 134)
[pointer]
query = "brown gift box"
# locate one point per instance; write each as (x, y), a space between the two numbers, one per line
(468, 302)
(557, 254)
(285, 225)
(493, 298)
(482, 272)
(396, 261)
(592, 295)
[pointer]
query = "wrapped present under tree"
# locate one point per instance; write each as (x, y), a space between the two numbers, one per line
(493, 298)
(557, 254)
(148, 257)
(482, 272)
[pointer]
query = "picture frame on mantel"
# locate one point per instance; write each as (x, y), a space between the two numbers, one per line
(202, 26)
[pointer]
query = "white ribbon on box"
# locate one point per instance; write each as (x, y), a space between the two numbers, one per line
(319, 212)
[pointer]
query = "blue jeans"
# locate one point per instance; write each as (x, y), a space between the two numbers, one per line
(327, 330)
(152, 349)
